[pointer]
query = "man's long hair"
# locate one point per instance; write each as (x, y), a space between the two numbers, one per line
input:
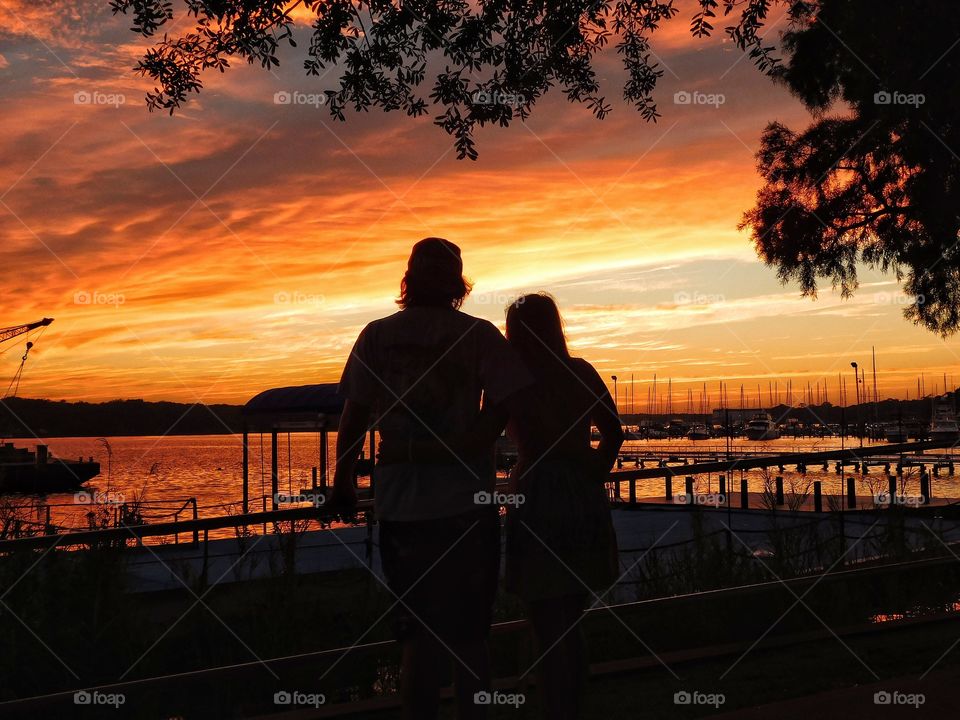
(434, 276)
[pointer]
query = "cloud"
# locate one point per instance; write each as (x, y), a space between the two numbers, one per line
(204, 222)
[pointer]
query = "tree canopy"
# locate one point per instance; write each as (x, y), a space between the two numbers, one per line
(498, 56)
(878, 182)
(874, 183)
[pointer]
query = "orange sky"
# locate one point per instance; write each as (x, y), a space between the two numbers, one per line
(242, 244)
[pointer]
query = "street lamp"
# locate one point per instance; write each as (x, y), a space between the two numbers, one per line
(615, 397)
(856, 384)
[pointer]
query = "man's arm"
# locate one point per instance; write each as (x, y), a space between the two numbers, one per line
(350, 436)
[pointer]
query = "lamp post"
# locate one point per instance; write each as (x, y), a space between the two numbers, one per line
(615, 397)
(856, 384)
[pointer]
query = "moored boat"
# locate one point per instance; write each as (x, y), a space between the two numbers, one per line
(896, 434)
(26, 471)
(943, 422)
(762, 427)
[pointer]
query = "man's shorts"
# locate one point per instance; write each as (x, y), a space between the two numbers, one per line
(445, 572)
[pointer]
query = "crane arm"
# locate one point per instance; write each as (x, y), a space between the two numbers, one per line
(12, 332)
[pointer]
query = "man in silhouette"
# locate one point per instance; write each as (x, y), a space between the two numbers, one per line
(419, 375)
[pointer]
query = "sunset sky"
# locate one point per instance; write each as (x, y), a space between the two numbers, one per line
(242, 244)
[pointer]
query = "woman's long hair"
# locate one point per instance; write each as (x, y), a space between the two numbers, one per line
(535, 329)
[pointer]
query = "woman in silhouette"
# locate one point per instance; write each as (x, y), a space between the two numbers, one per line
(561, 547)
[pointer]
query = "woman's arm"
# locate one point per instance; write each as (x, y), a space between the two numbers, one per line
(607, 419)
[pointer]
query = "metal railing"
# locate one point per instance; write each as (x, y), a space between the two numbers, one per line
(120, 535)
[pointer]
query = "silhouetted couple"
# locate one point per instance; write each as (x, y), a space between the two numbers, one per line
(441, 386)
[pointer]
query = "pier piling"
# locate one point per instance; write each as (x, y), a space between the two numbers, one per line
(779, 489)
(817, 497)
(851, 494)
(744, 497)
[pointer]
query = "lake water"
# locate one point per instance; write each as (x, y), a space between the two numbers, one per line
(165, 471)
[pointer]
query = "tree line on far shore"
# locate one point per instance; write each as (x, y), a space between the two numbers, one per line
(25, 417)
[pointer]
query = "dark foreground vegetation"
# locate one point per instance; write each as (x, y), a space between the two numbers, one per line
(68, 623)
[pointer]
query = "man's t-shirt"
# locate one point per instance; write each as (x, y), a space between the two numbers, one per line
(424, 371)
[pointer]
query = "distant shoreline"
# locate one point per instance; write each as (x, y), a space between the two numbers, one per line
(28, 417)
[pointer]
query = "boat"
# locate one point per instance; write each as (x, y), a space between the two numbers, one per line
(26, 471)
(762, 427)
(699, 431)
(896, 434)
(943, 422)
(676, 428)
